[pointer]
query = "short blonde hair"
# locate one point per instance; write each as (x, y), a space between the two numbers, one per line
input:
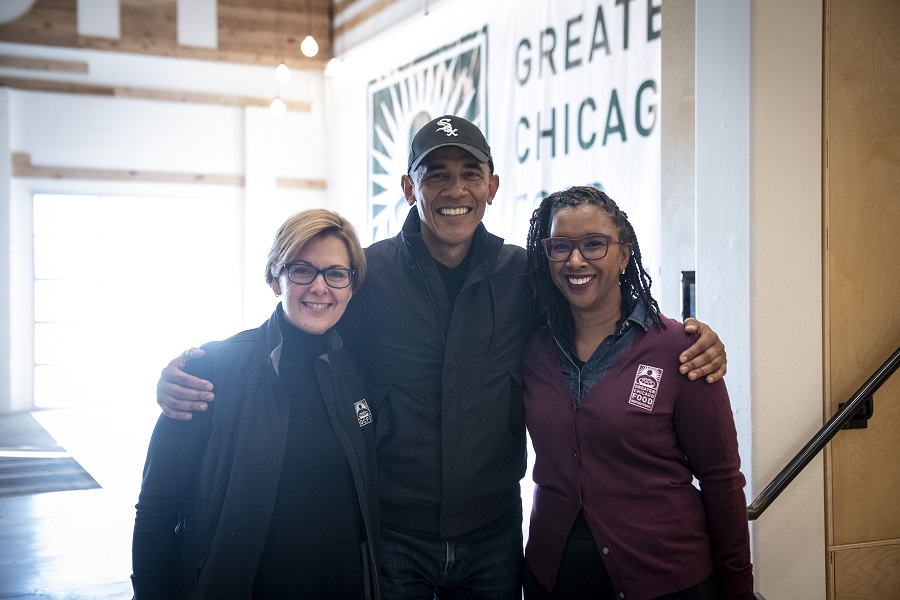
(299, 229)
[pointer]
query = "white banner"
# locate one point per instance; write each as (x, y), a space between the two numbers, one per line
(566, 91)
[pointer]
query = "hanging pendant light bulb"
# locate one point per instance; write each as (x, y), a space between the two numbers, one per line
(282, 73)
(333, 67)
(309, 47)
(278, 107)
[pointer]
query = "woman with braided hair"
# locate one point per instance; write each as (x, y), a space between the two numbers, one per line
(618, 434)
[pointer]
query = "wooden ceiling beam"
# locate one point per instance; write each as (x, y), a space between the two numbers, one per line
(66, 87)
(43, 64)
(22, 167)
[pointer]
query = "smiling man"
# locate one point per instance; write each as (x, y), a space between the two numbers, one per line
(440, 327)
(452, 181)
(440, 331)
(451, 190)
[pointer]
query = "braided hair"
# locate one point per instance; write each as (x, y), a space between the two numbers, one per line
(634, 284)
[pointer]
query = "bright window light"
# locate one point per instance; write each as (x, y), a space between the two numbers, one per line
(122, 285)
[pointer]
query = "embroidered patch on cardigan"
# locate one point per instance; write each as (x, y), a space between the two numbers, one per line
(646, 384)
(363, 414)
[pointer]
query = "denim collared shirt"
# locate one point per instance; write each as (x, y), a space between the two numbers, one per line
(581, 380)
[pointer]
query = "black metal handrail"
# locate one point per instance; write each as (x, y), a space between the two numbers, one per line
(820, 439)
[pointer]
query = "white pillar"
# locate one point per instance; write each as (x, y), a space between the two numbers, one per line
(677, 147)
(786, 291)
(758, 148)
(723, 193)
(5, 257)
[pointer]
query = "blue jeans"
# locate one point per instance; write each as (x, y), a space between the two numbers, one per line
(483, 565)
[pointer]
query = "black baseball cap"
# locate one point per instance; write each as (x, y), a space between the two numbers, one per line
(449, 130)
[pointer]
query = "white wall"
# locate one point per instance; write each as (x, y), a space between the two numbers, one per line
(723, 194)
(786, 290)
(6, 396)
(115, 133)
(758, 115)
(677, 153)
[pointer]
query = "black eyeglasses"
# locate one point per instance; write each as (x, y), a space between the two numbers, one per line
(335, 277)
(592, 246)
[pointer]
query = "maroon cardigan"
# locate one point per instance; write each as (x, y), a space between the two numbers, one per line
(627, 456)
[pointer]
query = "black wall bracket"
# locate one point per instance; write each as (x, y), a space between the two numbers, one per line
(860, 420)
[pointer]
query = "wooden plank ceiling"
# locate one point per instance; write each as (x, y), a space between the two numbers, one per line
(260, 32)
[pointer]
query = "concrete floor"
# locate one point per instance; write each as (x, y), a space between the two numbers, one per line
(75, 545)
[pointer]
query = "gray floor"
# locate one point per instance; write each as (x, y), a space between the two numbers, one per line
(65, 545)
(74, 544)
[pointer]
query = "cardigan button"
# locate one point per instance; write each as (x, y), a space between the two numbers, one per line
(606, 551)
(621, 595)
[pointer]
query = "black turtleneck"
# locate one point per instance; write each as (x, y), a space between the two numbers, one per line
(455, 277)
(315, 533)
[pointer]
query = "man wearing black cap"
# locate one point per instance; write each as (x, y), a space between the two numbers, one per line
(440, 326)
(440, 329)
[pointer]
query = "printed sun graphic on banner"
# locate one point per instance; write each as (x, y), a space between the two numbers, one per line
(449, 80)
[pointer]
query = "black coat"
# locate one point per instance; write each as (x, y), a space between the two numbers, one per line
(444, 380)
(233, 455)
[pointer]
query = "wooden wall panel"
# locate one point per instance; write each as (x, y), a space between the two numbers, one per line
(263, 32)
(868, 573)
(48, 23)
(363, 16)
(862, 284)
(862, 214)
(150, 26)
(43, 64)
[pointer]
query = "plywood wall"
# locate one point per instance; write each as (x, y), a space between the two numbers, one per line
(263, 32)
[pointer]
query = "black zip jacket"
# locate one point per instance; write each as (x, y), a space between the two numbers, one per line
(210, 483)
(444, 381)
